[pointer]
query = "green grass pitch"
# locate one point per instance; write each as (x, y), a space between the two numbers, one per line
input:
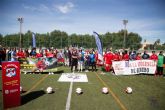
(148, 92)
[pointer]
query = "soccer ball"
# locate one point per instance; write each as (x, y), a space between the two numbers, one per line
(49, 90)
(21, 89)
(79, 90)
(105, 90)
(128, 90)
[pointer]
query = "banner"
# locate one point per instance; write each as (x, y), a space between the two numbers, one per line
(99, 46)
(33, 40)
(134, 67)
(11, 84)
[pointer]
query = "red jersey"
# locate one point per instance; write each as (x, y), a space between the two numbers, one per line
(49, 54)
(138, 57)
(20, 54)
(38, 55)
(126, 57)
(153, 57)
(96, 56)
(116, 57)
(108, 58)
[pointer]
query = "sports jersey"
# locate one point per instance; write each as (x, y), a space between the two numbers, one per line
(108, 58)
(125, 57)
(92, 57)
(153, 57)
(116, 57)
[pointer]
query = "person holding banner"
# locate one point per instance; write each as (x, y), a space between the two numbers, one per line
(138, 56)
(153, 56)
(145, 55)
(160, 63)
(39, 54)
(125, 56)
(116, 56)
(20, 54)
(108, 60)
(33, 53)
(26, 53)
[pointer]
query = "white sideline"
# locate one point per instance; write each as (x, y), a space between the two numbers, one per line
(69, 96)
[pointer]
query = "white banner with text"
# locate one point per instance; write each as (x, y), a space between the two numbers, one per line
(134, 67)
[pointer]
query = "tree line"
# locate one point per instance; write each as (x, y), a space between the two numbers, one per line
(60, 39)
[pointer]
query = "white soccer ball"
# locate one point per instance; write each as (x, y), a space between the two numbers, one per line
(105, 90)
(49, 90)
(78, 90)
(128, 90)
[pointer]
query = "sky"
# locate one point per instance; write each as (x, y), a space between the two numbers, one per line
(145, 17)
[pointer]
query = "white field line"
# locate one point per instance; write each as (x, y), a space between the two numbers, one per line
(69, 96)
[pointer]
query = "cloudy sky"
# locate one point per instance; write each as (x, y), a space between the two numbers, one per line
(145, 17)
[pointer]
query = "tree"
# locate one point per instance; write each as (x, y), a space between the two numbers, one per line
(60, 39)
(1, 39)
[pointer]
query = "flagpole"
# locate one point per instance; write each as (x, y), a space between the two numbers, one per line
(20, 19)
(125, 23)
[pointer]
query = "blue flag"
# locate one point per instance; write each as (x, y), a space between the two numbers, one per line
(99, 46)
(33, 40)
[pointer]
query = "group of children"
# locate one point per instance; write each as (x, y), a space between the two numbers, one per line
(82, 59)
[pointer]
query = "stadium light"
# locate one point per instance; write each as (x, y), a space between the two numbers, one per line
(20, 19)
(125, 24)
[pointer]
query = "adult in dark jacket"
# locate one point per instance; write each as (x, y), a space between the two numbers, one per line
(145, 55)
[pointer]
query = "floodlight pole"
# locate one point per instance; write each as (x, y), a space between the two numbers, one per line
(125, 24)
(20, 19)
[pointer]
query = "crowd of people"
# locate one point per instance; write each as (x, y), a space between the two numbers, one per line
(80, 59)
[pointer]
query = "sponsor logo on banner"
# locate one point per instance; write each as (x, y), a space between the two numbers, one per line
(10, 72)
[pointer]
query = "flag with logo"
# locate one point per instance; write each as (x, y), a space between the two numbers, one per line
(99, 46)
(33, 40)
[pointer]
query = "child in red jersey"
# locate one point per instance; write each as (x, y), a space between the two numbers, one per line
(20, 54)
(40, 54)
(116, 56)
(153, 56)
(138, 56)
(125, 56)
(108, 60)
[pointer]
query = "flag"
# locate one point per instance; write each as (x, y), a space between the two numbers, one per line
(33, 40)
(99, 46)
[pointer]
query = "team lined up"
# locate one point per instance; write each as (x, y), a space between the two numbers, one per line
(80, 59)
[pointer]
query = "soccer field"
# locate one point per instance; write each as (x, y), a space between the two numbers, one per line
(148, 92)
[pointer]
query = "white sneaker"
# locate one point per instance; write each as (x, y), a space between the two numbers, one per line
(86, 71)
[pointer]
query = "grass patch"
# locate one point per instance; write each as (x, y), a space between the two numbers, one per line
(148, 92)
